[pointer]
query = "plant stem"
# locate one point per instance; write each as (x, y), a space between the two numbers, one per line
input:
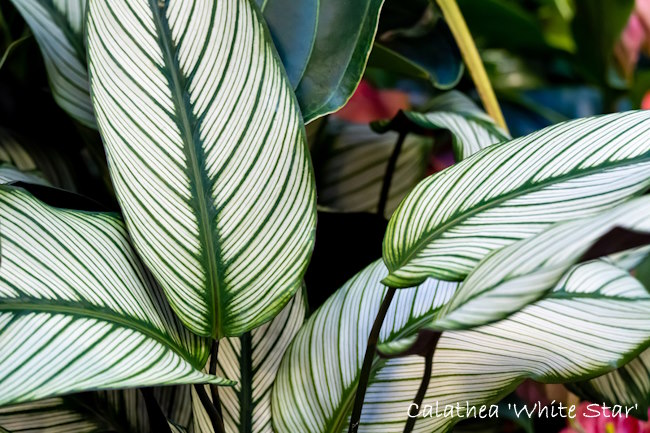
(388, 176)
(157, 419)
(214, 389)
(215, 418)
(364, 376)
(419, 397)
(463, 37)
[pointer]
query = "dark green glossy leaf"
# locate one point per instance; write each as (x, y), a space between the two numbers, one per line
(293, 27)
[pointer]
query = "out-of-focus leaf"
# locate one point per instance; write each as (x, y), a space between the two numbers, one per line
(597, 26)
(346, 31)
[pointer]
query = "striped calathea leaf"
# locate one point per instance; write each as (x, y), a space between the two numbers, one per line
(471, 129)
(77, 306)
(121, 411)
(207, 154)
(58, 26)
(514, 276)
(253, 361)
(628, 386)
(352, 167)
(513, 190)
(595, 319)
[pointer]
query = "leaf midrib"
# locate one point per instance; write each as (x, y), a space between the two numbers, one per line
(194, 170)
(23, 306)
(525, 189)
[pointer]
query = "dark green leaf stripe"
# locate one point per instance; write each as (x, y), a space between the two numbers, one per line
(207, 153)
(354, 164)
(253, 361)
(512, 190)
(594, 320)
(471, 129)
(512, 277)
(78, 307)
(59, 29)
(317, 380)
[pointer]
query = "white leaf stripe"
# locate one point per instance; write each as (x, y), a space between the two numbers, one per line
(353, 168)
(58, 26)
(628, 385)
(78, 307)
(513, 190)
(252, 360)
(595, 320)
(207, 153)
(316, 383)
(508, 279)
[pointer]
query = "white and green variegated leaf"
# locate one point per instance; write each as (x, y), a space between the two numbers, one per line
(353, 166)
(321, 367)
(512, 277)
(58, 26)
(595, 320)
(471, 129)
(78, 307)
(628, 386)
(10, 174)
(252, 360)
(513, 190)
(207, 154)
(122, 411)
(35, 161)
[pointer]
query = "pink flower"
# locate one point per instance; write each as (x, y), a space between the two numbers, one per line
(587, 421)
(369, 104)
(634, 38)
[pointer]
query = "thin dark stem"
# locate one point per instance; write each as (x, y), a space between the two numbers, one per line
(157, 419)
(214, 389)
(215, 418)
(419, 397)
(364, 376)
(388, 176)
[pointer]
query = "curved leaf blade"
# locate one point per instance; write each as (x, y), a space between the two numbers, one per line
(253, 361)
(512, 277)
(472, 130)
(207, 153)
(293, 26)
(344, 38)
(77, 306)
(512, 190)
(316, 383)
(59, 30)
(320, 369)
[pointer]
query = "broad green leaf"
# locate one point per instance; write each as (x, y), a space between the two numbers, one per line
(471, 129)
(10, 174)
(596, 28)
(512, 277)
(122, 411)
(293, 26)
(427, 51)
(352, 167)
(253, 361)
(513, 190)
(58, 26)
(595, 320)
(344, 37)
(317, 381)
(78, 307)
(628, 386)
(207, 153)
